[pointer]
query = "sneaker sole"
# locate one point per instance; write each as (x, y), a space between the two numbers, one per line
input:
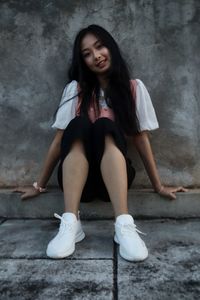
(79, 238)
(127, 257)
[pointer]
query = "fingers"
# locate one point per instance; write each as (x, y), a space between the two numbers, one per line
(24, 196)
(20, 190)
(28, 195)
(23, 191)
(17, 190)
(170, 192)
(180, 189)
(26, 192)
(172, 196)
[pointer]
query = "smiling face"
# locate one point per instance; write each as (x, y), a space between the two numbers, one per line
(95, 55)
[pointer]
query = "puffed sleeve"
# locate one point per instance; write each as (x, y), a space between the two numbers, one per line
(67, 110)
(144, 108)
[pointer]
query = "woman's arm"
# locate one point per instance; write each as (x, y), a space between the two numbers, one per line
(143, 146)
(50, 162)
(51, 159)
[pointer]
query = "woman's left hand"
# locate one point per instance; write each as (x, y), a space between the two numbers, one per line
(169, 192)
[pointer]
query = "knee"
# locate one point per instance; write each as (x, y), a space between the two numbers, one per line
(76, 137)
(78, 146)
(109, 141)
(107, 133)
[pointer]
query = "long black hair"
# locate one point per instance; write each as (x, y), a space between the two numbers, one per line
(118, 92)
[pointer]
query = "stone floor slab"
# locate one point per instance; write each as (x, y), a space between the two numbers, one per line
(171, 271)
(41, 279)
(29, 238)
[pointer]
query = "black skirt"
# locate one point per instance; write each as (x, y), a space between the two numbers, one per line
(93, 138)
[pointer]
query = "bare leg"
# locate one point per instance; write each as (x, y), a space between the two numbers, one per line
(113, 169)
(75, 171)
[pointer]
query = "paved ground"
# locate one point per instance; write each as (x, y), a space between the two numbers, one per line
(95, 271)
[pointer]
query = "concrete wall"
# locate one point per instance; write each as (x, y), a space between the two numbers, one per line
(160, 40)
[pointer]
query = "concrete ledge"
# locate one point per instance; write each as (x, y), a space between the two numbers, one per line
(142, 204)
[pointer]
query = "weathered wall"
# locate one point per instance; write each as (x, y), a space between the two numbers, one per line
(160, 40)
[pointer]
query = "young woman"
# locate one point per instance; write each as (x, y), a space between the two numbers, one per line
(99, 108)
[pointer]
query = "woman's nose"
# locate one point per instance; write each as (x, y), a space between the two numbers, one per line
(97, 55)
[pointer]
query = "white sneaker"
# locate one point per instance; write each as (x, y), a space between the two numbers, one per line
(70, 232)
(131, 246)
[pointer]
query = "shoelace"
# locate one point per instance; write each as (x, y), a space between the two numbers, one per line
(129, 228)
(63, 224)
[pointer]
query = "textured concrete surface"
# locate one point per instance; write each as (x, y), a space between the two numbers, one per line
(160, 40)
(29, 239)
(45, 279)
(172, 269)
(142, 203)
(170, 272)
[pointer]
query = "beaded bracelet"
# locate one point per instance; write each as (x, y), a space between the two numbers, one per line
(38, 188)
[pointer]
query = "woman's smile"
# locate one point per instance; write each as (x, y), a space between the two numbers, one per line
(102, 64)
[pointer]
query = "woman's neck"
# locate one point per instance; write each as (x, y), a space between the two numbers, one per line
(103, 82)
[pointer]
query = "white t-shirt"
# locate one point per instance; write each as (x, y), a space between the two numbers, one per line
(144, 108)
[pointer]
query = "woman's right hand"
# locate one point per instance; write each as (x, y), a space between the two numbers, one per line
(27, 192)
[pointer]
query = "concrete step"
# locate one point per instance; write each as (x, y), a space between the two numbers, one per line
(142, 204)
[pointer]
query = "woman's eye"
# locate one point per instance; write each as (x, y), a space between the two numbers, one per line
(86, 54)
(99, 46)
